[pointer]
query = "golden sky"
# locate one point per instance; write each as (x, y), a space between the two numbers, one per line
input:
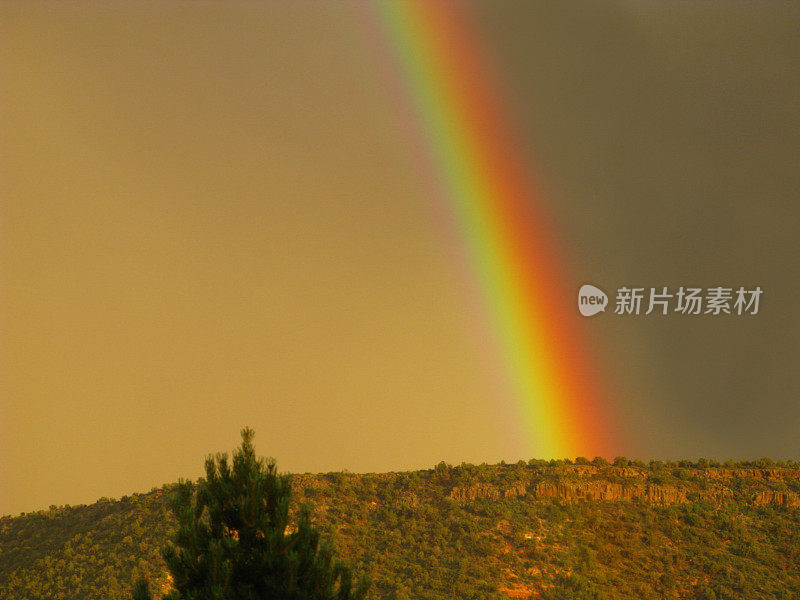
(211, 218)
(208, 224)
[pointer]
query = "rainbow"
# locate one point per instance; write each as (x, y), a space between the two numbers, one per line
(498, 215)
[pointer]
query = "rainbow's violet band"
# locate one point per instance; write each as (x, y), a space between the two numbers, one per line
(498, 213)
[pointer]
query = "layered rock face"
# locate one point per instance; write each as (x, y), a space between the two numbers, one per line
(587, 483)
(488, 491)
(785, 499)
(771, 474)
(654, 494)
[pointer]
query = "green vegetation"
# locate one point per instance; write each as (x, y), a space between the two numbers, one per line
(233, 540)
(727, 532)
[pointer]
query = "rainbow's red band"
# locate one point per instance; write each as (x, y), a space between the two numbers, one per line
(497, 208)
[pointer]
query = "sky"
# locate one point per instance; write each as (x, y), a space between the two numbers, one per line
(211, 217)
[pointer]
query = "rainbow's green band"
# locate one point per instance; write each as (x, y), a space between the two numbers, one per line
(495, 208)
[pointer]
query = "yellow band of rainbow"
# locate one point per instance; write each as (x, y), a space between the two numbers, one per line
(497, 211)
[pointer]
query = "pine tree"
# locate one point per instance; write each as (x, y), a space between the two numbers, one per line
(233, 540)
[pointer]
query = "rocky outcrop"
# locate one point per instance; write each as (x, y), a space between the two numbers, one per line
(711, 473)
(515, 491)
(575, 483)
(600, 490)
(716, 495)
(769, 474)
(590, 470)
(579, 470)
(576, 491)
(775, 498)
(487, 491)
(475, 492)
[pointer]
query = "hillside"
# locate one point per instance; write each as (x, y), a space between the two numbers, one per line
(549, 530)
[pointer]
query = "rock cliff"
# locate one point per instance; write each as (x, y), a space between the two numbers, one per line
(587, 482)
